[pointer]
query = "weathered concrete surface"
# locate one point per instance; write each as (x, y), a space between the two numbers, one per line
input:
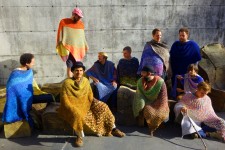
(168, 138)
(30, 26)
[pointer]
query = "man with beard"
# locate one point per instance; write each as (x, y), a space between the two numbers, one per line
(71, 43)
(103, 74)
(183, 53)
(151, 102)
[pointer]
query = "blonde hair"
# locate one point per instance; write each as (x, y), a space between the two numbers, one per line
(103, 54)
(204, 86)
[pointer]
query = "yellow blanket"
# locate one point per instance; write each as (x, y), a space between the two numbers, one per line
(75, 102)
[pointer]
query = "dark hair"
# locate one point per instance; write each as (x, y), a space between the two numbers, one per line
(26, 58)
(204, 86)
(184, 30)
(148, 69)
(78, 64)
(127, 48)
(155, 30)
(192, 67)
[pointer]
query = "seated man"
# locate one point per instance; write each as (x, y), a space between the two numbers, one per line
(187, 82)
(103, 74)
(151, 102)
(199, 108)
(127, 69)
(20, 92)
(79, 108)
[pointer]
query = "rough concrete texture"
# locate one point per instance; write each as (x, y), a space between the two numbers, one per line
(31, 25)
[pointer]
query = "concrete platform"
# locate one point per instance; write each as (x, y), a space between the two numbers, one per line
(168, 138)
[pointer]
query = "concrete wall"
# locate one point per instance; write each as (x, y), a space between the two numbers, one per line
(31, 25)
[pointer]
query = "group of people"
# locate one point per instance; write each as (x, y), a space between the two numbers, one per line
(84, 105)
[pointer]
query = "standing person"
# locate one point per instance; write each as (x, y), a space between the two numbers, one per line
(127, 69)
(156, 54)
(71, 42)
(151, 102)
(79, 108)
(183, 53)
(103, 74)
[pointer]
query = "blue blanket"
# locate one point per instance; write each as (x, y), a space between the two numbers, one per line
(151, 58)
(156, 54)
(19, 96)
(183, 54)
(104, 73)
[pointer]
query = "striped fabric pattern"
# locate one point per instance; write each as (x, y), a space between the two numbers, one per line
(71, 39)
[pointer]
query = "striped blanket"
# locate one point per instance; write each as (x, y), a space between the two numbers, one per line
(71, 39)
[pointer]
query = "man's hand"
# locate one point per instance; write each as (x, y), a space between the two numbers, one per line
(114, 83)
(179, 77)
(95, 80)
(180, 90)
(184, 110)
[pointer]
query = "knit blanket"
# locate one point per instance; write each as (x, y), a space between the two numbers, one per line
(127, 72)
(103, 91)
(75, 102)
(183, 54)
(158, 111)
(189, 84)
(71, 39)
(162, 50)
(156, 55)
(99, 119)
(200, 109)
(105, 75)
(19, 97)
(152, 96)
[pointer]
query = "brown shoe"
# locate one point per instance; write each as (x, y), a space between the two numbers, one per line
(194, 136)
(118, 133)
(215, 135)
(79, 142)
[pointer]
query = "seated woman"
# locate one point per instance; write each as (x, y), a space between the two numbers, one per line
(84, 113)
(20, 92)
(187, 82)
(199, 108)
